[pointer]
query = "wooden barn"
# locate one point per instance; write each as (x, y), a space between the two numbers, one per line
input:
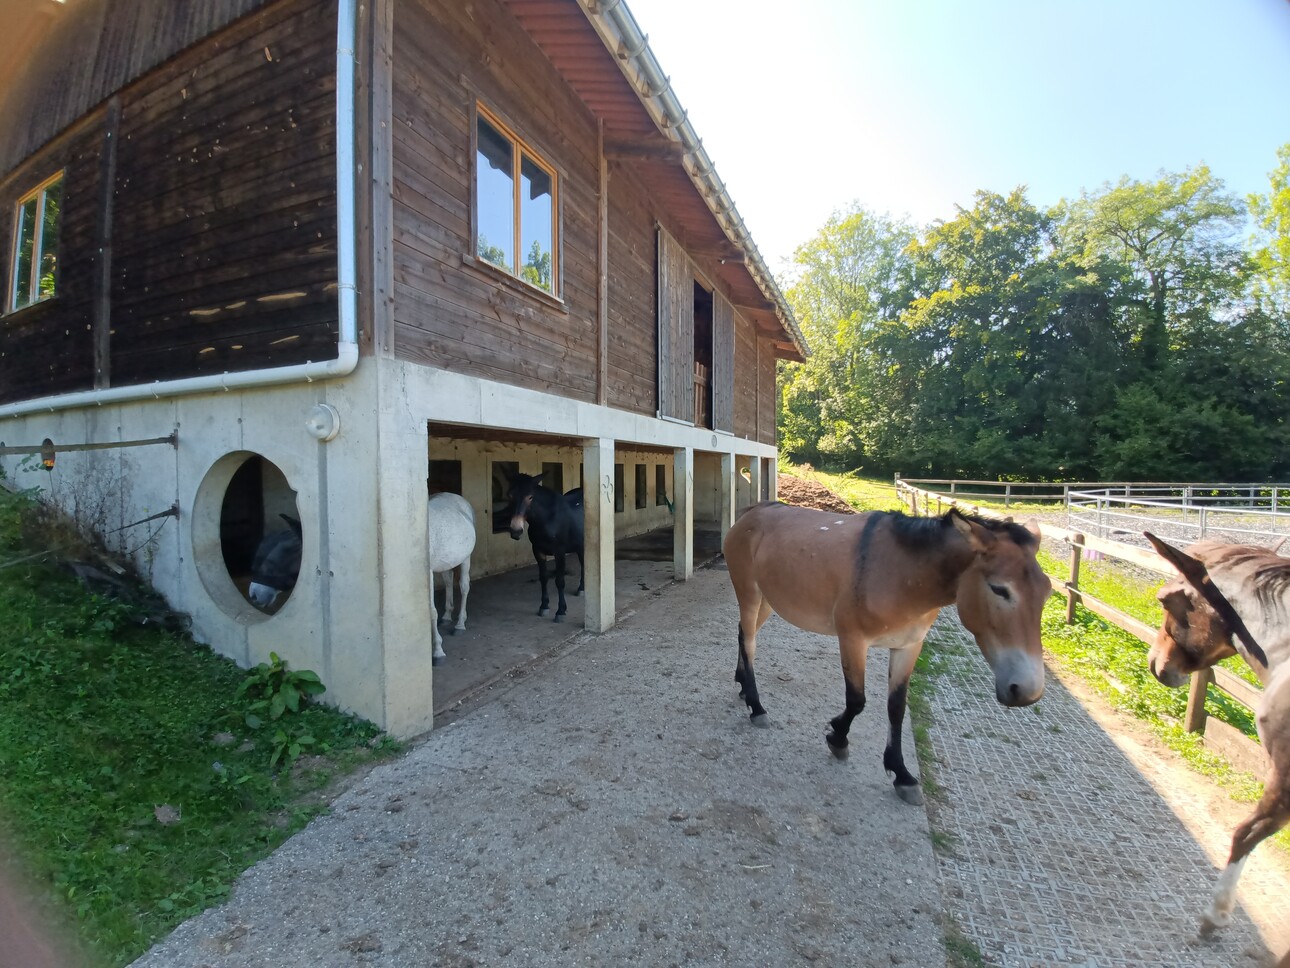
(312, 257)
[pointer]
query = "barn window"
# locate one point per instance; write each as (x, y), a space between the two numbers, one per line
(660, 484)
(35, 251)
(517, 225)
(620, 498)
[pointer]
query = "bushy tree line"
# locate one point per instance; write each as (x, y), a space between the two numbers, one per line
(1134, 333)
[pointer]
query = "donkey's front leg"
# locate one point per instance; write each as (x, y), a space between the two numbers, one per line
(854, 649)
(541, 563)
(561, 607)
(899, 669)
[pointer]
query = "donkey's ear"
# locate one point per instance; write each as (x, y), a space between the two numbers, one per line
(978, 537)
(1190, 568)
(1033, 527)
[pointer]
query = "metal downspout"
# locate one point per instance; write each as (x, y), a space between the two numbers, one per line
(346, 277)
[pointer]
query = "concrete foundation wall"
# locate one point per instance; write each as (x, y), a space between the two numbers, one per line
(359, 612)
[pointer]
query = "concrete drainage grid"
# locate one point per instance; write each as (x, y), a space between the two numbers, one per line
(1053, 849)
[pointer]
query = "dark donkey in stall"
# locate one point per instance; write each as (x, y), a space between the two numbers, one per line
(554, 523)
(880, 579)
(1233, 599)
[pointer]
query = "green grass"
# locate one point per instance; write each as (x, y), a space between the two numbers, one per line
(108, 729)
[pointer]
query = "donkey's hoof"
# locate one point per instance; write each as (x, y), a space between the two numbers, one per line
(452, 631)
(1211, 922)
(912, 795)
(559, 617)
(438, 660)
(838, 745)
(544, 609)
(760, 720)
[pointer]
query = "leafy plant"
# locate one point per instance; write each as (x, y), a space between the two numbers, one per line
(275, 689)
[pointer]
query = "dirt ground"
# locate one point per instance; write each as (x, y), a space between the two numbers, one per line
(809, 494)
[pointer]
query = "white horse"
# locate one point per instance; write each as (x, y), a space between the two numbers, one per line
(452, 541)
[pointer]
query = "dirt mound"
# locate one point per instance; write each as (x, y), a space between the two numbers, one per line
(809, 494)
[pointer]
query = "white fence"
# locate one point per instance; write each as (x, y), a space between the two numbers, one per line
(1183, 513)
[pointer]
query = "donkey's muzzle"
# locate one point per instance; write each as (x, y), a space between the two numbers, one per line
(1018, 679)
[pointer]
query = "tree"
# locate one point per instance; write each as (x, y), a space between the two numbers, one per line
(845, 277)
(1175, 236)
(537, 268)
(1271, 257)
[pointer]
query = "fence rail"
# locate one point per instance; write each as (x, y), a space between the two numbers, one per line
(1237, 745)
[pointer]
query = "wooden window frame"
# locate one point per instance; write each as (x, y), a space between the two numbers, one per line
(38, 193)
(521, 148)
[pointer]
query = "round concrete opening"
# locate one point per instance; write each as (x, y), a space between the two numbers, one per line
(246, 536)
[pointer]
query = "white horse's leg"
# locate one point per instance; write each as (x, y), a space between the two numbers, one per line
(464, 570)
(436, 640)
(449, 577)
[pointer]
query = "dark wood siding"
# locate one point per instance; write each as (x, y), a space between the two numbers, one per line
(675, 330)
(745, 389)
(633, 294)
(87, 49)
(449, 313)
(225, 225)
(48, 348)
(723, 364)
(223, 215)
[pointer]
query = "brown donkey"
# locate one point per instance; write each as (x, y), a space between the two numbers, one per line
(879, 579)
(1233, 599)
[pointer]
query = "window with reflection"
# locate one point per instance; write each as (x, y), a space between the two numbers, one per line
(516, 215)
(34, 272)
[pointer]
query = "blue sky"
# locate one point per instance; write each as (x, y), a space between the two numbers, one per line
(909, 106)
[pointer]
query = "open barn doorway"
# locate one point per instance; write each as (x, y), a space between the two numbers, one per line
(503, 632)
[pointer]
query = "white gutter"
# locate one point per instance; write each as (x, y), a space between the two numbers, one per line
(346, 277)
(621, 35)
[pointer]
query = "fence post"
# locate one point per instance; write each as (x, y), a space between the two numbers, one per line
(1007, 495)
(1202, 521)
(1195, 719)
(1072, 586)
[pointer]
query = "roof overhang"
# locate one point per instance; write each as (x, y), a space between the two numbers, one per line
(602, 54)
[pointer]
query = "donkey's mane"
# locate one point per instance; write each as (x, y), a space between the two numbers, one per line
(921, 533)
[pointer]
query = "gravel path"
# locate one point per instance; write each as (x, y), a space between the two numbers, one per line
(611, 806)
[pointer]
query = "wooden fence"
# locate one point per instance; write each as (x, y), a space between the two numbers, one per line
(1243, 751)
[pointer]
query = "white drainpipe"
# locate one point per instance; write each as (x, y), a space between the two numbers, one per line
(346, 277)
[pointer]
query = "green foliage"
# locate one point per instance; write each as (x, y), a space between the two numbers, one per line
(274, 690)
(1271, 213)
(131, 784)
(1122, 335)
